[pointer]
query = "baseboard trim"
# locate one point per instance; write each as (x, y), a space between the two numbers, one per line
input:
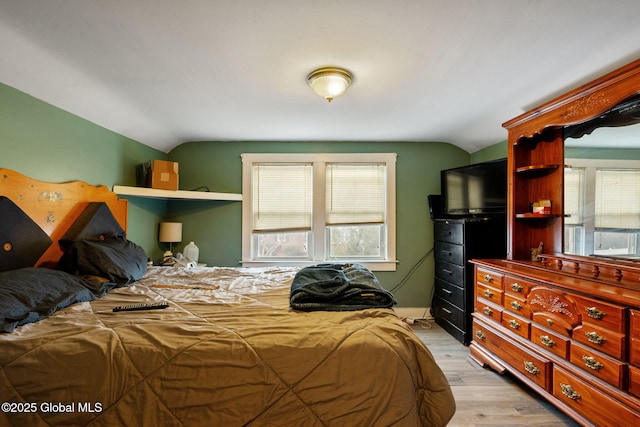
(414, 313)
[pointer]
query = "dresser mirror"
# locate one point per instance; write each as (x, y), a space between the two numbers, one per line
(602, 184)
(543, 139)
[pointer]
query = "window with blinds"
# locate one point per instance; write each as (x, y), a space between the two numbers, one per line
(617, 198)
(574, 195)
(355, 193)
(319, 207)
(574, 199)
(282, 197)
(602, 204)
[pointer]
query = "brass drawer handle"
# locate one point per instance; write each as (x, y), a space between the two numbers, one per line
(568, 391)
(544, 339)
(487, 311)
(594, 313)
(516, 305)
(516, 288)
(488, 293)
(595, 338)
(531, 368)
(487, 278)
(480, 335)
(514, 324)
(592, 363)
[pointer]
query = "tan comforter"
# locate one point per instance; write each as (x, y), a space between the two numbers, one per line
(227, 352)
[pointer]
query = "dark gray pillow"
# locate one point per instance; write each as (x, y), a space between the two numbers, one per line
(95, 223)
(22, 241)
(31, 294)
(116, 259)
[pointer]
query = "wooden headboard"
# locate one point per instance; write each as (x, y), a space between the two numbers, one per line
(55, 206)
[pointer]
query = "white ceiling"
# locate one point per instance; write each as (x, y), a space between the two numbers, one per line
(164, 72)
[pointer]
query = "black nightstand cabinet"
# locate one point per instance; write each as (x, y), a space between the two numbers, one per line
(456, 242)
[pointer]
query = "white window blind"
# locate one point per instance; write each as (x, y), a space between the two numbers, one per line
(355, 194)
(573, 195)
(617, 201)
(282, 197)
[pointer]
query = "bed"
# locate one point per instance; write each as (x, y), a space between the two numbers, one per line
(228, 350)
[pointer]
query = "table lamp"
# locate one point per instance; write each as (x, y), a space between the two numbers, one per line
(170, 232)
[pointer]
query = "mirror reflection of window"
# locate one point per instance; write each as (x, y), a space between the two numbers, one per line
(602, 208)
(617, 212)
(574, 188)
(604, 156)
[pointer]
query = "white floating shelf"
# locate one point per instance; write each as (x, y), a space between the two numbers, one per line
(174, 194)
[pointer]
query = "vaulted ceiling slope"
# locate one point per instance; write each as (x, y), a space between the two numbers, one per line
(164, 71)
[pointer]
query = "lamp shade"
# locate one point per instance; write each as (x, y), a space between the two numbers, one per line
(170, 232)
(329, 82)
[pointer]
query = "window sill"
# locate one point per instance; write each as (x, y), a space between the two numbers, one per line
(382, 265)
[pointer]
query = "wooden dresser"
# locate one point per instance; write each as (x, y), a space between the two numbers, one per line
(567, 326)
(572, 337)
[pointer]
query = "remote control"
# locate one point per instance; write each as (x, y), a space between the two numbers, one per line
(147, 306)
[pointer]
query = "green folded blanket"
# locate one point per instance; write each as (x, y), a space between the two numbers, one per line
(338, 287)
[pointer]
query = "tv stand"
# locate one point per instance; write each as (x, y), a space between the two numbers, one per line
(457, 240)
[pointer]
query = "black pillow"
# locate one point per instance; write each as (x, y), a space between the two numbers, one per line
(31, 294)
(116, 259)
(22, 241)
(95, 223)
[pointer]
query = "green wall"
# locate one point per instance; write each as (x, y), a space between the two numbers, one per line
(493, 152)
(50, 144)
(216, 227)
(47, 143)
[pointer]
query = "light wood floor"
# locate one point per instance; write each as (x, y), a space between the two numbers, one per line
(484, 398)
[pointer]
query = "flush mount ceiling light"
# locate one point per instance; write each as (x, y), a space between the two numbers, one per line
(329, 82)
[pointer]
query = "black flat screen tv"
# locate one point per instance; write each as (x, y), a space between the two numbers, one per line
(476, 189)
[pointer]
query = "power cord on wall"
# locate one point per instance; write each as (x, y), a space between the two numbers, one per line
(422, 322)
(403, 281)
(426, 317)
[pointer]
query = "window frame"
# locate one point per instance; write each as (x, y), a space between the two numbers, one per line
(318, 227)
(588, 221)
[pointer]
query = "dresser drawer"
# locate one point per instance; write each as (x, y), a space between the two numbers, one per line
(489, 293)
(634, 380)
(591, 402)
(516, 324)
(553, 309)
(600, 313)
(451, 293)
(516, 305)
(532, 365)
(449, 252)
(489, 277)
(491, 311)
(634, 351)
(604, 340)
(450, 272)
(518, 288)
(446, 231)
(555, 343)
(604, 367)
(635, 323)
(449, 312)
